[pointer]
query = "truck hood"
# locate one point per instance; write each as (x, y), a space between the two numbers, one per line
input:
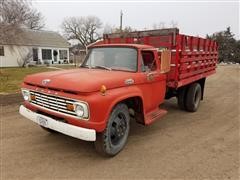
(81, 80)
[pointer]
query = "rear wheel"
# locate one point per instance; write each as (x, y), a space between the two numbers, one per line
(181, 97)
(193, 97)
(112, 140)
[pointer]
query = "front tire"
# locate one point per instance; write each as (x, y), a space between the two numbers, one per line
(113, 139)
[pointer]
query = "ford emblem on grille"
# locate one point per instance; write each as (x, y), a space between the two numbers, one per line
(45, 81)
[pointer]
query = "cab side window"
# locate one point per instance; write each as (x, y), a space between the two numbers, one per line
(149, 63)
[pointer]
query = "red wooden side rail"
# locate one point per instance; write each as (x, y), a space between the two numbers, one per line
(195, 58)
(192, 58)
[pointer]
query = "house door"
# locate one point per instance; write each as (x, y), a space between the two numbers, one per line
(55, 55)
(35, 54)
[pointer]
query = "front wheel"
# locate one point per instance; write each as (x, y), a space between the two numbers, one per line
(113, 139)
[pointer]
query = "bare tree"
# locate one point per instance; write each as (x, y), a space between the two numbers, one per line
(155, 26)
(84, 29)
(173, 24)
(12, 12)
(126, 29)
(21, 13)
(108, 28)
(35, 21)
(160, 25)
(25, 59)
(7, 30)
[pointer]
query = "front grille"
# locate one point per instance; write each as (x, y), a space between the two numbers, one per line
(54, 103)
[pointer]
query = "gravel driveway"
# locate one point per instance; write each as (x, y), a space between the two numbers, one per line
(181, 145)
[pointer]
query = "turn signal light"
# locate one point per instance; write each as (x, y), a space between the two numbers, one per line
(70, 107)
(103, 89)
(33, 97)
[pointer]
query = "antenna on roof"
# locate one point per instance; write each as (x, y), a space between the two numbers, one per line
(121, 15)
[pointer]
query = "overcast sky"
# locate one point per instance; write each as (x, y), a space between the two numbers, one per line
(193, 18)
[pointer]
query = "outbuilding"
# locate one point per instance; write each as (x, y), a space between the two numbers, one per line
(34, 47)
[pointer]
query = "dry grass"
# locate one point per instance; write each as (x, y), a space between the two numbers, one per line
(11, 78)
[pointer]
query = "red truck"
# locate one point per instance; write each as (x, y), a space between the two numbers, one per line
(125, 76)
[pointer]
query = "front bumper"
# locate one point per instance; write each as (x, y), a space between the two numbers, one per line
(64, 128)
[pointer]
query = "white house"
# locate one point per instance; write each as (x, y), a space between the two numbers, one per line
(34, 46)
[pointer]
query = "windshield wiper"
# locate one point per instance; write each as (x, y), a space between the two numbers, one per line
(103, 67)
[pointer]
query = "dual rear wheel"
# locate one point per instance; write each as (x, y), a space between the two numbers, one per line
(189, 97)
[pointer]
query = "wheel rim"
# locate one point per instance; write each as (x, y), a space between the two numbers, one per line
(197, 98)
(118, 128)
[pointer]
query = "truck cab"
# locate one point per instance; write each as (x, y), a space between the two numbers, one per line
(144, 66)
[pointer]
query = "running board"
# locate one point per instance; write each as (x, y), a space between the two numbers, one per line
(154, 115)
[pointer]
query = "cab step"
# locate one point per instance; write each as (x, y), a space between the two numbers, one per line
(154, 115)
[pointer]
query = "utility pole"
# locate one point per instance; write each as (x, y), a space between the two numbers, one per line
(121, 15)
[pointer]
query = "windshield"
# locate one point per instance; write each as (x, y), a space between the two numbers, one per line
(112, 58)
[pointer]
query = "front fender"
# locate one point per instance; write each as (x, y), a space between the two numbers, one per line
(101, 105)
(125, 93)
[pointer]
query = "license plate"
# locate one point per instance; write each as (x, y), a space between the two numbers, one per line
(42, 121)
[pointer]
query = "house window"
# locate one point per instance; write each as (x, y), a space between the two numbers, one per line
(46, 54)
(63, 54)
(1, 50)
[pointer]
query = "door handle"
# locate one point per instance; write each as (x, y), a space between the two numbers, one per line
(150, 76)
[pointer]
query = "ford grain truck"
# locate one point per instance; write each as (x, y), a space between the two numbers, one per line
(125, 76)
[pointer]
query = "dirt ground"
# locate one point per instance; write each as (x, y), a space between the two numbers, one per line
(201, 145)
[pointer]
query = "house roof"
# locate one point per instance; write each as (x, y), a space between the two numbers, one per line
(27, 37)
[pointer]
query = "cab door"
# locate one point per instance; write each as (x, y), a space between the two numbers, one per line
(154, 82)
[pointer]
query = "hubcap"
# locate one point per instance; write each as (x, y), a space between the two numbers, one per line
(118, 128)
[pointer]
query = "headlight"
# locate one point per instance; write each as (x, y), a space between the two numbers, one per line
(26, 94)
(81, 110)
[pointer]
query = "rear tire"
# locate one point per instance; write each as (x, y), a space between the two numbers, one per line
(193, 97)
(113, 139)
(182, 98)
